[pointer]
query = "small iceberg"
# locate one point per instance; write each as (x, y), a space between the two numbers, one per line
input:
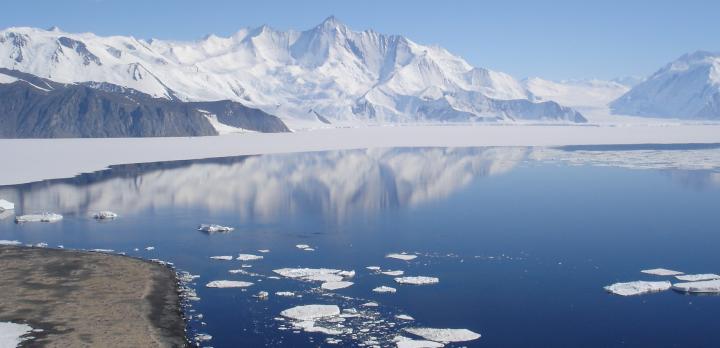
(702, 287)
(263, 251)
(285, 293)
(373, 268)
(44, 217)
(419, 280)
(224, 258)
(227, 284)
(661, 272)
(404, 317)
(393, 273)
(335, 285)
(444, 335)
(6, 205)
(697, 277)
(150, 248)
(249, 257)
(262, 295)
(385, 289)
(637, 288)
(311, 312)
(9, 242)
(315, 274)
(401, 256)
(370, 304)
(105, 215)
(212, 228)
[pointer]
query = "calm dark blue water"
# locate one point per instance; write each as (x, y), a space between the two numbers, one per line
(523, 240)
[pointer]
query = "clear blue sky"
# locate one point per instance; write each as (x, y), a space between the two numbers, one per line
(553, 39)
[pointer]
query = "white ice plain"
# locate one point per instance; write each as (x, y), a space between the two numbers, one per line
(702, 287)
(661, 272)
(44, 217)
(418, 280)
(311, 312)
(697, 277)
(228, 284)
(401, 256)
(444, 335)
(11, 334)
(637, 287)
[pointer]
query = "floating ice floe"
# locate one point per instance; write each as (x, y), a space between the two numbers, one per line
(335, 285)
(228, 284)
(385, 289)
(309, 326)
(11, 334)
(406, 342)
(701, 287)
(202, 337)
(444, 335)
(263, 295)
(370, 304)
(285, 293)
(222, 257)
(212, 228)
(6, 205)
(697, 277)
(401, 256)
(44, 217)
(263, 251)
(314, 274)
(304, 247)
(373, 268)
(637, 287)
(105, 215)
(311, 312)
(9, 242)
(661, 272)
(393, 273)
(41, 245)
(249, 257)
(419, 280)
(150, 248)
(404, 317)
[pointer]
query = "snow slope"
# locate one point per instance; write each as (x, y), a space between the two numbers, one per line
(687, 88)
(328, 73)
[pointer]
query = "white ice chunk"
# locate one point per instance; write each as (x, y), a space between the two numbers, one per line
(6, 205)
(212, 228)
(444, 335)
(401, 256)
(223, 257)
(404, 317)
(105, 215)
(311, 312)
(11, 334)
(385, 289)
(661, 272)
(285, 293)
(313, 274)
(44, 217)
(637, 287)
(302, 246)
(103, 250)
(263, 295)
(9, 242)
(697, 277)
(419, 280)
(324, 278)
(249, 257)
(336, 285)
(406, 342)
(150, 248)
(370, 304)
(347, 274)
(707, 286)
(228, 284)
(263, 251)
(393, 273)
(373, 268)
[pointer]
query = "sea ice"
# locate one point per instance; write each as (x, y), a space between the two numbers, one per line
(105, 215)
(373, 268)
(224, 257)
(212, 228)
(263, 250)
(9, 242)
(404, 317)
(707, 286)
(419, 280)
(335, 285)
(313, 274)
(285, 293)
(393, 273)
(370, 304)
(637, 287)
(385, 289)
(263, 295)
(150, 248)
(401, 256)
(444, 335)
(661, 272)
(11, 334)
(697, 277)
(302, 246)
(249, 257)
(406, 342)
(228, 284)
(6, 205)
(311, 312)
(44, 217)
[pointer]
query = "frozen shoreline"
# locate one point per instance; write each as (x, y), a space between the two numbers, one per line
(31, 160)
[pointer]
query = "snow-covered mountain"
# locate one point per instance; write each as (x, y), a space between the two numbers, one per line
(329, 73)
(576, 93)
(689, 87)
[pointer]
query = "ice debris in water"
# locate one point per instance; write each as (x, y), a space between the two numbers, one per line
(404, 317)
(706, 287)
(223, 257)
(393, 273)
(44, 217)
(9, 242)
(406, 342)
(150, 248)
(335, 285)
(373, 268)
(6, 205)
(637, 287)
(105, 215)
(697, 277)
(263, 251)
(304, 247)
(401, 256)
(444, 335)
(311, 312)
(385, 289)
(201, 337)
(249, 257)
(370, 304)
(228, 284)
(315, 274)
(285, 293)
(212, 228)
(661, 272)
(419, 280)
(263, 295)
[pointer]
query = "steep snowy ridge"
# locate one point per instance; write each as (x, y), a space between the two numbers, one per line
(687, 88)
(328, 72)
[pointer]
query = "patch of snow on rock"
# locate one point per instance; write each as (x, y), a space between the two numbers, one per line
(637, 287)
(11, 334)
